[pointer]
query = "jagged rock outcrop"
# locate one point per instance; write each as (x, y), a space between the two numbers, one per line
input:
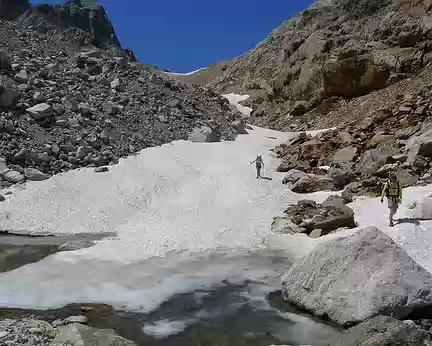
(84, 21)
(335, 49)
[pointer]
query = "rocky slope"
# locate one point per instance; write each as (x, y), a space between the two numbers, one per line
(335, 50)
(64, 106)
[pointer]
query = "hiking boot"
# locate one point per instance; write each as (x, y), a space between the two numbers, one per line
(391, 224)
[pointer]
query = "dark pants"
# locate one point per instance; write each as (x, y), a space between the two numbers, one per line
(258, 168)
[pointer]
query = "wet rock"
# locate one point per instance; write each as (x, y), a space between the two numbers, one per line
(344, 279)
(80, 335)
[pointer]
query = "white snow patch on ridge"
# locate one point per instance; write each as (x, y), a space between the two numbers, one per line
(235, 100)
(186, 74)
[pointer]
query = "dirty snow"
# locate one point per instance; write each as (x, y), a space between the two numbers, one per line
(167, 206)
(186, 216)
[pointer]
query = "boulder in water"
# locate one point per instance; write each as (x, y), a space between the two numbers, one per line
(353, 278)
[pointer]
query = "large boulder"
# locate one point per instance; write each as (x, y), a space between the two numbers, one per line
(9, 93)
(13, 177)
(33, 174)
(284, 225)
(353, 278)
(204, 134)
(40, 111)
(313, 183)
(372, 160)
(288, 165)
(339, 177)
(380, 138)
(79, 335)
(335, 214)
(345, 155)
(385, 330)
(293, 176)
(240, 127)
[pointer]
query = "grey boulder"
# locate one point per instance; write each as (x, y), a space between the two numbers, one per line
(40, 111)
(240, 127)
(385, 330)
(13, 177)
(353, 278)
(204, 134)
(80, 335)
(33, 174)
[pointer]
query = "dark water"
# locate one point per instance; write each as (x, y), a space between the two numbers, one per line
(247, 312)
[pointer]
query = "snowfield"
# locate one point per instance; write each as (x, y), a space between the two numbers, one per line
(186, 216)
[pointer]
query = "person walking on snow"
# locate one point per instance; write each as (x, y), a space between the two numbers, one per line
(258, 163)
(392, 190)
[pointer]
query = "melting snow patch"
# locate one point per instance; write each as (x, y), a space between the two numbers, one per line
(235, 100)
(164, 328)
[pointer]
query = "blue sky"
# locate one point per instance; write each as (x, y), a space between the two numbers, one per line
(184, 35)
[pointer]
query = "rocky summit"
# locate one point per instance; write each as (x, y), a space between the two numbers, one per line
(64, 106)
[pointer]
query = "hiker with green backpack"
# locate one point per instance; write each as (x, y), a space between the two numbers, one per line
(393, 191)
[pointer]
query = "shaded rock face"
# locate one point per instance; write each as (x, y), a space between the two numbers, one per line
(10, 9)
(385, 330)
(357, 277)
(333, 49)
(88, 16)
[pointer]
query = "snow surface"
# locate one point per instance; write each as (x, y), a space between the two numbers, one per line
(186, 216)
(235, 100)
(167, 206)
(186, 74)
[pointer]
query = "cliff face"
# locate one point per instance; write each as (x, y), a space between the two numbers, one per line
(10, 9)
(86, 21)
(335, 49)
